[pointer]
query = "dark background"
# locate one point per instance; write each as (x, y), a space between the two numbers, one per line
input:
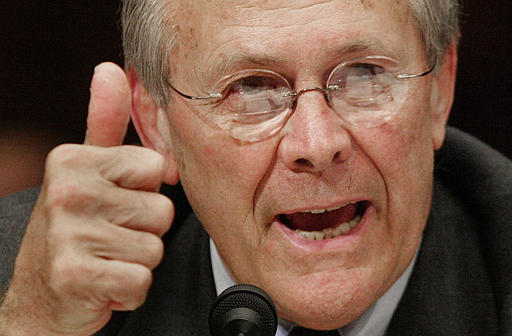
(49, 50)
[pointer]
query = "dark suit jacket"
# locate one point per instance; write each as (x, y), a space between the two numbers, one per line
(461, 283)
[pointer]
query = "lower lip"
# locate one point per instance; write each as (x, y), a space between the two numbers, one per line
(350, 238)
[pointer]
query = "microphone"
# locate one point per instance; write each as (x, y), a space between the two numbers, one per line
(243, 310)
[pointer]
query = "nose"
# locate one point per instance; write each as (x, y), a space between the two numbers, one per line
(314, 138)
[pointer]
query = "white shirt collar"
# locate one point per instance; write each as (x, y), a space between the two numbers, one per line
(373, 322)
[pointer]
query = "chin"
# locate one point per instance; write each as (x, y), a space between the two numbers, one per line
(325, 303)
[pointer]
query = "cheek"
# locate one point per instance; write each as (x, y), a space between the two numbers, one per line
(402, 152)
(219, 174)
(404, 145)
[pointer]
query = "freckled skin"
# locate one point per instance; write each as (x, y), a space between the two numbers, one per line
(237, 188)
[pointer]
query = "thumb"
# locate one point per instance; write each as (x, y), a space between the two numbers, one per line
(109, 106)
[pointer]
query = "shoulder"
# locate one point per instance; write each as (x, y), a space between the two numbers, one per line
(465, 257)
(473, 164)
(15, 210)
(477, 176)
(480, 178)
(473, 183)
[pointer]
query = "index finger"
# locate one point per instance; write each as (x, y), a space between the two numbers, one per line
(109, 106)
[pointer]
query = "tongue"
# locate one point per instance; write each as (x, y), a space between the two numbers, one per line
(307, 221)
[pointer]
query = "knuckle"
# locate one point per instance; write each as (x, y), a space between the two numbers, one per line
(155, 166)
(135, 301)
(60, 191)
(135, 167)
(65, 183)
(154, 249)
(66, 274)
(140, 282)
(156, 159)
(164, 211)
(129, 287)
(143, 282)
(122, 213)
(155, 210)
(59, 237)
(65, 155)
(149, 156)
(153, 161)
(65, 193)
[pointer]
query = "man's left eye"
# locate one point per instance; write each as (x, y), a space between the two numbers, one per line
(364, 72)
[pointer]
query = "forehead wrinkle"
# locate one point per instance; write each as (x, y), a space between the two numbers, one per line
(258, 53)
(228, 64)
(367, 46)
(269, 4)
(244, 60)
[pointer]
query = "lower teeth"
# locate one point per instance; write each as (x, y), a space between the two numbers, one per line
(330, 232)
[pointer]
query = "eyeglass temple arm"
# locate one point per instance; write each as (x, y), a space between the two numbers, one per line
(184, 95)
(218, 95)
(406, 76)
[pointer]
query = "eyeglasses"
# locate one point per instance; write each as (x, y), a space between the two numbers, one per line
(255, 104)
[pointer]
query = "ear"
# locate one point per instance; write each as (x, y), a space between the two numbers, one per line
(441, 100)
(150, 121)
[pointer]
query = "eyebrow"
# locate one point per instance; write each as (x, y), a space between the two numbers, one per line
(241, 59)
(362, 46)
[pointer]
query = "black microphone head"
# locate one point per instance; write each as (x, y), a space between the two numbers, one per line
(243, 310)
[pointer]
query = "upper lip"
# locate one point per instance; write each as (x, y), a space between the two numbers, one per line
(330, 207)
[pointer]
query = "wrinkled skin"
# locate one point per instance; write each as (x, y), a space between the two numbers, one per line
(316, 161)
(94, 235)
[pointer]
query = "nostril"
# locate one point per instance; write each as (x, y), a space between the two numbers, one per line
(337, 157)
(304, 163)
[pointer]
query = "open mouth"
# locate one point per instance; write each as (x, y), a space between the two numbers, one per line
(321, 224)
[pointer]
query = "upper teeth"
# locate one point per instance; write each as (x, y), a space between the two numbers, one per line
(319, 211)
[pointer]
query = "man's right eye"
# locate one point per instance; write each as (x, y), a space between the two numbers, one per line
(255, 95)
(252, 86)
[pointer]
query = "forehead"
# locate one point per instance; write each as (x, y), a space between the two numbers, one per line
(266, 11)
(224, 33)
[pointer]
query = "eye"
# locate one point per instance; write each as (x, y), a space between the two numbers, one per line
(256, 95)
(255, 87)
(361, 73)
(361, 84)
(358, 74)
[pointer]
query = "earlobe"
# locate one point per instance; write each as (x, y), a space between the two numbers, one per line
(171, 175)
(442, 94)
(151, 125)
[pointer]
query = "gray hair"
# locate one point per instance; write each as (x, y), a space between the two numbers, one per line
(148, 38)
(438, 21)
(149, 35)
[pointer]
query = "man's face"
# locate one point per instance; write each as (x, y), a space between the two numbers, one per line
(250, 197)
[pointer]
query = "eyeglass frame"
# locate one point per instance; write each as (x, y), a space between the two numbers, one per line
(295, 94)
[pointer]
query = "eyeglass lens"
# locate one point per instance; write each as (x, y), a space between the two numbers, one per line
(256, 103)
